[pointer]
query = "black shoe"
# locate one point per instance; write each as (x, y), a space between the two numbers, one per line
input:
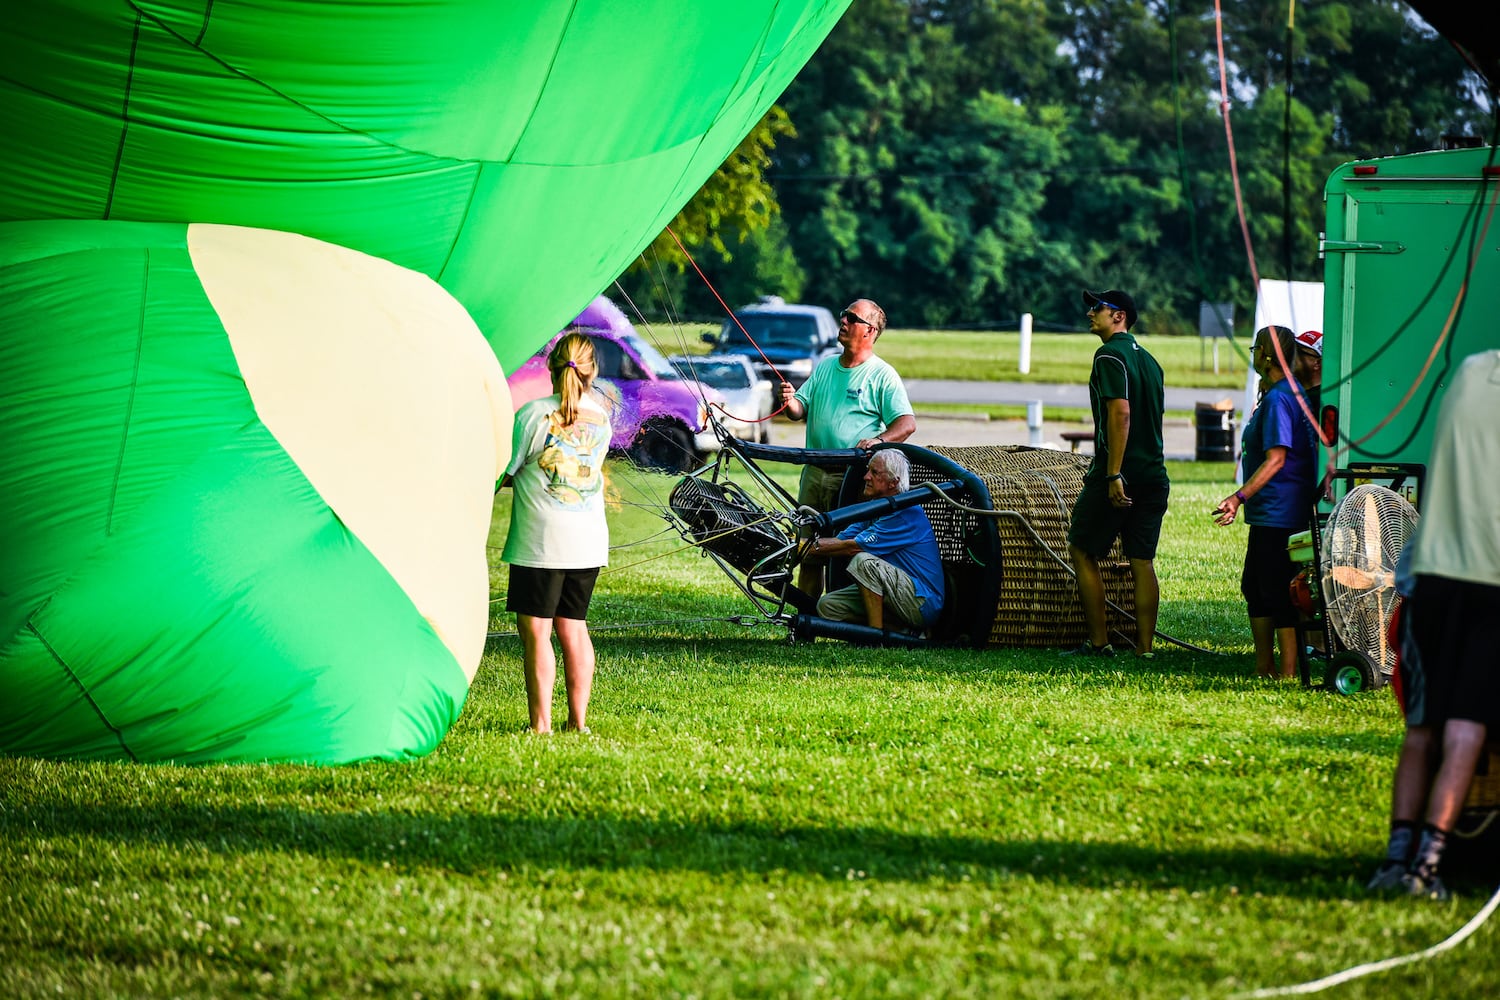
(1089, 649)
(1388, 878)
(1426, 887)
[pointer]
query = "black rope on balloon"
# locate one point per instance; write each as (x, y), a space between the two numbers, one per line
(1185, 179)
(1286, 152)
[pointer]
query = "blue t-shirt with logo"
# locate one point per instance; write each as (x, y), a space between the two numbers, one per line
(905, 540)
(1278, 422)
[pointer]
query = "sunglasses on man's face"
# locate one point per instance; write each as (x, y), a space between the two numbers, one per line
(854, 317)
(1101, 304)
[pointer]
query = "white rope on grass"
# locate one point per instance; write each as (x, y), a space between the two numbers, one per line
(1459, 936)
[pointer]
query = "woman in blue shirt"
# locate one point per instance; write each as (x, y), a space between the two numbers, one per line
(1278, 464)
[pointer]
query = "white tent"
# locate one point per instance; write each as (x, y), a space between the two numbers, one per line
(1294, 304)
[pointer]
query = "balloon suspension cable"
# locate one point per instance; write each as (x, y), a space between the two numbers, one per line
(1192, 212)
(1335, 454)
(1234, 169)
(764, 517)
(672, 319)
(709, 407)
(1019, 518)
(1458, 300)
(654, 503)
(731, 313)
(698, 544)
(1239, 204)
(670, 309)
(650, 504)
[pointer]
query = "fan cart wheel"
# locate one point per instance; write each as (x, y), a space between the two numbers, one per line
(1350, 672)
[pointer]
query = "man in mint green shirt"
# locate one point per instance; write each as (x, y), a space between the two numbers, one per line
(855, 400)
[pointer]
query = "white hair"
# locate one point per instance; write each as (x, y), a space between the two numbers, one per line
(894, 463)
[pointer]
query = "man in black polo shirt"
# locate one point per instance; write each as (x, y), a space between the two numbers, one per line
(1125, 489)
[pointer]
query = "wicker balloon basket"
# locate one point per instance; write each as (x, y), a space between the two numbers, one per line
(1484, 792)
(1039, 604)
(1474, 849)
(1000, 516)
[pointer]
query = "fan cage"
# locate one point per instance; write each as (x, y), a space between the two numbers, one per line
(1361, 543)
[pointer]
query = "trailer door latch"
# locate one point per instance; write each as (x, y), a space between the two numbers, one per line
(1359, 246)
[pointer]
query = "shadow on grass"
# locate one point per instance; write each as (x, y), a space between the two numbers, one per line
(766, 651)
(481, 845)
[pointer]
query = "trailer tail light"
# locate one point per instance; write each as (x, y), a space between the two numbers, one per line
(1490, 171)
(1329, 423)
(1367, 170)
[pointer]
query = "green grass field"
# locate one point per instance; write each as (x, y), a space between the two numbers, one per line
(994, 356)
(753, 818)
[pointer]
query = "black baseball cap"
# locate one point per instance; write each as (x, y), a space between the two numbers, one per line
(1114, 299)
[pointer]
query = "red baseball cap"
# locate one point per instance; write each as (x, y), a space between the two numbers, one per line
(1310, 340)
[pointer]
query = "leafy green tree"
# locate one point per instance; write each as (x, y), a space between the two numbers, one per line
(921, 174)
(1389, 82)
(967, 161)
(1147, 83)
(734, 215)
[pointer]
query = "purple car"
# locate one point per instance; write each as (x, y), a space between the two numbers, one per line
(654, 412)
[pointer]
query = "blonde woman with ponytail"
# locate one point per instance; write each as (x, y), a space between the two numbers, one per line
(558, 537)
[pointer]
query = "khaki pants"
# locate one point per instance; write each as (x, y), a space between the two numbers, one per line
(880, 577)
(819, 489)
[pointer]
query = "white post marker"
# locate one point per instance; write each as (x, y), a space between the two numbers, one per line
(1034, 421)
(1025, 365)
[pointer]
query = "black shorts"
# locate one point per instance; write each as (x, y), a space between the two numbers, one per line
(1097, 522)
(1266, 580)
(551, 593)
(1455, 674)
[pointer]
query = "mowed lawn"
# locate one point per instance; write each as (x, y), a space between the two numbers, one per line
(754, 818)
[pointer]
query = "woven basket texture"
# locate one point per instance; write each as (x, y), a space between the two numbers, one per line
(1039, 603)
(1484, 792)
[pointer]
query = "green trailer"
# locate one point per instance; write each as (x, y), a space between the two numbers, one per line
(1411, 287)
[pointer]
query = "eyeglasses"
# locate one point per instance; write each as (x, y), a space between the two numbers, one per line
(1101, 304)
(855, 317)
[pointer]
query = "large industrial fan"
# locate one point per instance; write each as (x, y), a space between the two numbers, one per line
(1361, 542)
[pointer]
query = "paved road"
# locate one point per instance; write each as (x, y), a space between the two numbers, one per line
(952, 391)
(1179, 434)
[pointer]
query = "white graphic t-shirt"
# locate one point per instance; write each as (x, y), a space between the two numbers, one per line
(557, 517)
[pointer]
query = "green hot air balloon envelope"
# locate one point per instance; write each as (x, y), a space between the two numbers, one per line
(522, 154)
(260, 266)
(248, 481)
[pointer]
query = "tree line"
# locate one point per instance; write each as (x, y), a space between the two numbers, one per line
(965, 162)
